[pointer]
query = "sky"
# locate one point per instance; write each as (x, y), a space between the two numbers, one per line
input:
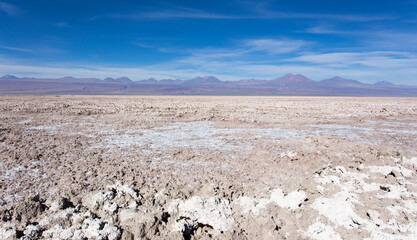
(364, 40)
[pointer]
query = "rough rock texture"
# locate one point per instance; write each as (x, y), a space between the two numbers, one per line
(112, 167)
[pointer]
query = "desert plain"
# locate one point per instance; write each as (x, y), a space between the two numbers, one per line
(201, 167)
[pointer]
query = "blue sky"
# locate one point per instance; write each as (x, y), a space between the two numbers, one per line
(364, 40)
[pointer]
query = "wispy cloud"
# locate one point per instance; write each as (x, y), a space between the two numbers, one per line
(196, 14)
(142, 45)
(369, 59)
(264, 10)
(374, 39)
(10, 9)
(253, 11)
(326, 30)
(325, 16)
(15, 49)
(182, 13)
(274, 46)
(246, 47)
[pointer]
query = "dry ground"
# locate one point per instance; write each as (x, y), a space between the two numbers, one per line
(169, 167)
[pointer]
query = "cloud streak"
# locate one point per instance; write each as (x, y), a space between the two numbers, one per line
(368, 59)
(259, 11)
(15, 49)
(183, 13)
(248, 47)
(9, 9)
(274, 46)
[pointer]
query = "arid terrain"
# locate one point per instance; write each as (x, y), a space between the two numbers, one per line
(173, 167)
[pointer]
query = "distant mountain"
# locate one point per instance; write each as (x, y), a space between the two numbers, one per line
(170, 81)
(338, 81)
(291, 81)
(206, 80)
(289, 84)
(291, 78)
(9, 77)
(118, 80)
(383, 83)
(149, 81)
(252, 81)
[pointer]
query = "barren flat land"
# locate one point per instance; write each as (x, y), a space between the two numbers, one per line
(197, 167)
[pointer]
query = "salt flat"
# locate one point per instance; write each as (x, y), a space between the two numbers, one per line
(197, 167)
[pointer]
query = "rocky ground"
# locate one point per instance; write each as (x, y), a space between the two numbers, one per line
(171, 167)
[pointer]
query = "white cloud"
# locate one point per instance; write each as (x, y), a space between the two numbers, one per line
(15, 49)
(243, 49)
(326, 30)
(10, 9)
(371, 38)
(274, 46)
(182, 13)
(378, 59)
(252, 10)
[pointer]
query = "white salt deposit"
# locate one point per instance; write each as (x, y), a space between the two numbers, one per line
(24, 121)
(410, 161)
(129, 214)
(50, 128)
(361, 134)
(339, 209)
(252, 205)
(213, 211)
(385, 170)
(10, 173)
(197, 135)
(352, 188)
(289, 154)
(320, 231)
(291, 201)
(6, 233)
(207, 135)
(32, 231)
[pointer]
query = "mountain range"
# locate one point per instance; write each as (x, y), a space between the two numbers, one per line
(289, 84)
